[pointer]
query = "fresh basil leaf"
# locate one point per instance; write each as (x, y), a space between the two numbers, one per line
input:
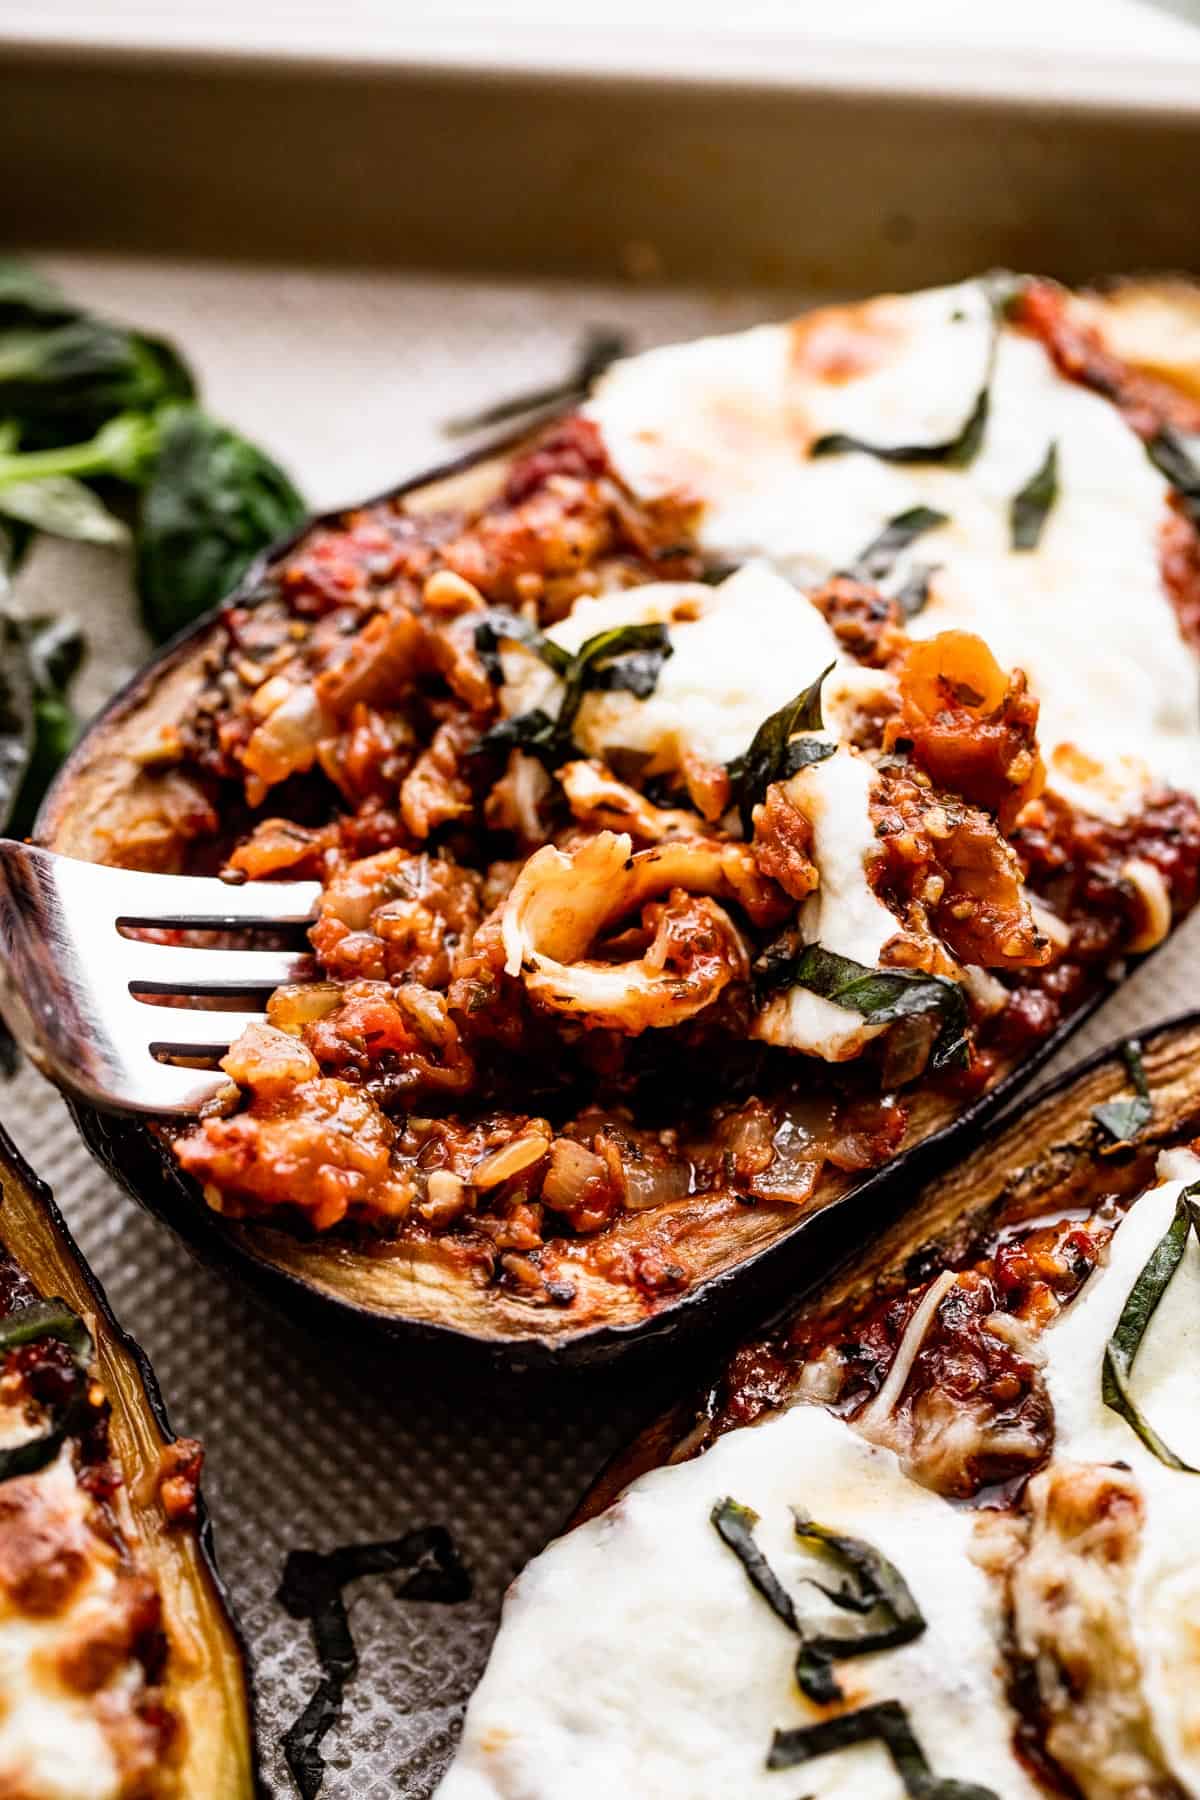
(63, 373)
(1120, 1353)
(1174, 454)
(752, 773)
(886, 1722)
(1031, 507)
(39, 659)
(16, 715)
(802, 753)
(24, 290)
(212, 503)
(63, 507)
(1124, 1119)
(876, 561)
(600, 349)
(882, 995)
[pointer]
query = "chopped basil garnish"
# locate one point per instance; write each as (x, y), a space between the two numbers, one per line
(1174, 455)
(957, 452)
(601, 347)
(1120, 1352)
(734, 1524)
(1123, 1119)
(629, 657)
(26, 1325)
(873, 1586)
(1031, 507)
(880, 995)
(498, 626)
(873, 563)
(912, 597)
(772, 755)
(886, 1723)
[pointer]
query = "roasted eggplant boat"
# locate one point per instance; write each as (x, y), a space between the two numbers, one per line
(720, 796)
(936, 1533)
(124, 1677)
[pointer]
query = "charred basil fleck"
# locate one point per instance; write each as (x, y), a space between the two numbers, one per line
(873, 1589)
(1031, 507)
(1120, 1353)
(1123, 1119)
(312, 1589)
(773, 756)
(886, 1723)
(877, 560)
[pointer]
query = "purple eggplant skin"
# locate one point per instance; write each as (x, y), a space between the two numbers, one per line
(501, 1327)
(212, 1692)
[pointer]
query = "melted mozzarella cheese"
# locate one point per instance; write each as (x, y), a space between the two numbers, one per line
(1165, 1599)
(845, 914)
(1085, 614)
(635, 1658)
(52, 1744)
(740, 651)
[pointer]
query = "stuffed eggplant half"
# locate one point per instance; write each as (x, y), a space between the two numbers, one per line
(717, 796)
(937, 1534)
(124, 1677)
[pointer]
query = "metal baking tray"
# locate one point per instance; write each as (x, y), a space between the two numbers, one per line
(354, 248)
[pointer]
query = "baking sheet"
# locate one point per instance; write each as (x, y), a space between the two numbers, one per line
(315, 1441)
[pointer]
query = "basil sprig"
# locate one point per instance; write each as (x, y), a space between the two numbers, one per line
(773, 756)
(626, 657)
(1031, 507)
(1123, 1119)
(877, 560)
(28, 1324)
(1120, 1353)
(873, 1589)
(880, 995)
(887, 1723)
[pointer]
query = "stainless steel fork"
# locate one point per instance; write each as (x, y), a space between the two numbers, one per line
(75, 991)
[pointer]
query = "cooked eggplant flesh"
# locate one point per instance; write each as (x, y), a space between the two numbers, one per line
(928, 1475)
(681, 874)
(124, 1676)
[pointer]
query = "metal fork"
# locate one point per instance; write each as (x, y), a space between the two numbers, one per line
(74, 990)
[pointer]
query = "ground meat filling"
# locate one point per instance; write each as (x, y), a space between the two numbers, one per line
(343, 734)
(57, 1525)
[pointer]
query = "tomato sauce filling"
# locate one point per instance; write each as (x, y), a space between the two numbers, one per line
(418, 1089)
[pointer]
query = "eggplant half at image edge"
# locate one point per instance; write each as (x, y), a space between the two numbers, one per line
(762, 1255)
(1050, 1156)
(207, 1679)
